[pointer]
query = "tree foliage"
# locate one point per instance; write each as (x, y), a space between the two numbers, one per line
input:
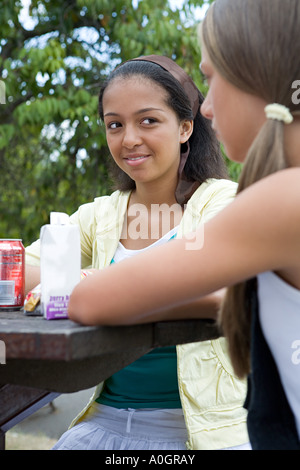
(53, 153)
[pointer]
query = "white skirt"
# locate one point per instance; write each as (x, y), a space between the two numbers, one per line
(108, 428)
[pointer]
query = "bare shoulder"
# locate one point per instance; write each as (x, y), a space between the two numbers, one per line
(262, 224)
(279, 192)
(280, 183)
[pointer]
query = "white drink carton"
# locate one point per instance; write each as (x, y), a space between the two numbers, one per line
(60, 265)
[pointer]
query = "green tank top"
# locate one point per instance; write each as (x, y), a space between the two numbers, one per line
(149, 382)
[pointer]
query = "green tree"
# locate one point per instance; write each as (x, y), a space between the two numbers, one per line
(53, 153)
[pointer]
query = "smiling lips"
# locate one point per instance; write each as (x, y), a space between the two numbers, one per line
(134, 160)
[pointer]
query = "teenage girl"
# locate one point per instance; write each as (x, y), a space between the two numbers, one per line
(250, 57)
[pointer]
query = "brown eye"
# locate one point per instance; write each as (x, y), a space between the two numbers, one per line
(113, 125)
(149, 121)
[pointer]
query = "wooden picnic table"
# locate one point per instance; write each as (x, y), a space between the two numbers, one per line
(44, 358)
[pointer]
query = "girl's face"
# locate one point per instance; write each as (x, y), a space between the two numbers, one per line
(143, 133)
(236, 116)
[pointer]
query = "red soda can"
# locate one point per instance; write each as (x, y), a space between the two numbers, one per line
(12, 274)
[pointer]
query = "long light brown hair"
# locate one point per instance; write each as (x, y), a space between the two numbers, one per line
(255, 46)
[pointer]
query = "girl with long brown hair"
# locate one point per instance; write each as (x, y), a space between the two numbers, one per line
(250, 56)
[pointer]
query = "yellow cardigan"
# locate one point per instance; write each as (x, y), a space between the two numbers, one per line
(212, 396)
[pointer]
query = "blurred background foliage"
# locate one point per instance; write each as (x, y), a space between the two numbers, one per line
(54, 54)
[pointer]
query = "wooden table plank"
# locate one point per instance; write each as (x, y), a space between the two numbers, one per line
(63, 356)
(18, 402)
(36, 338)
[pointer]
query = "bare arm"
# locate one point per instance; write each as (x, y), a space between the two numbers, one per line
(259, 231)
(205, 307)
(32, 277)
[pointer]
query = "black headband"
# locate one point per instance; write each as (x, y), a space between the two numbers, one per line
(179, 74)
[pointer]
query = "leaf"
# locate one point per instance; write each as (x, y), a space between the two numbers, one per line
(53, 74)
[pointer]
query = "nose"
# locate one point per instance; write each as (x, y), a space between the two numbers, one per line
(131, 136)
(206, 109)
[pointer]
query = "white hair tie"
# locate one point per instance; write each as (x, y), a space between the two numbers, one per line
(279, 112)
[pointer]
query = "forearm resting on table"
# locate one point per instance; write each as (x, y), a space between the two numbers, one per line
(205, 307)
(32, 277)
(127, 293)
(81, 305)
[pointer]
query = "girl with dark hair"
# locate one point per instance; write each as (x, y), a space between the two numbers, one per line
(200, 155)
(171, 178)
